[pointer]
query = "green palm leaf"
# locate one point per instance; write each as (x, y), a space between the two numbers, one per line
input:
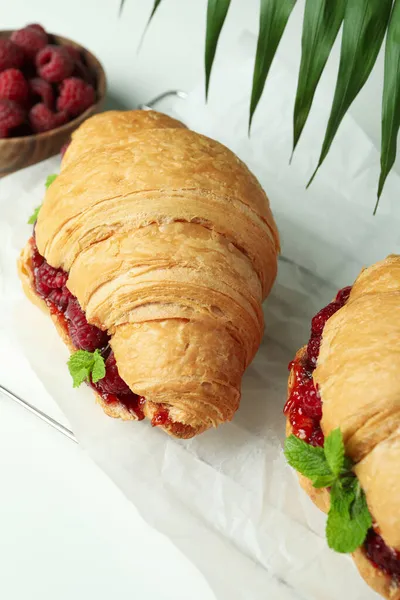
(274, 15)
(155, 6)
(153, 10)
(121, 7)
(365, 24)
(322, 21)
(391, 98)
(216, 15)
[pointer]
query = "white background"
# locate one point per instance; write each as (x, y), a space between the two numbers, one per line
(65, 530)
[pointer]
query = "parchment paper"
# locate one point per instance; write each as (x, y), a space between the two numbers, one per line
(227, 498)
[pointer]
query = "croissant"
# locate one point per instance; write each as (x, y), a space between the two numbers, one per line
(157, 246)
(353, 360)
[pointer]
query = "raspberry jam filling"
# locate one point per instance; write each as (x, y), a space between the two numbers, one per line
(304, 411)
(50, 284)
(161, 417)
(304, 408)
(384, 558)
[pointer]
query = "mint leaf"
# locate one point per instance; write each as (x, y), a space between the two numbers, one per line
(99, 369)
(347, 465)
(323, 481)
(84, 365)
(349, 518)
(50, 179)
(33, 218)
(309, 460)
(334, 451)
(359, 511)
(342, 496)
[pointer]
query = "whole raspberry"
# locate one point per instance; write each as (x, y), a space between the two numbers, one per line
(48, 278)
(11, 55)
(29, 40)
(11, 115)
(112, 382)
(60, 298)
(42, 118)
(42, 89)
(37, 27)
(54, 64)
(75, 96)
(84, 336)
(13, 86)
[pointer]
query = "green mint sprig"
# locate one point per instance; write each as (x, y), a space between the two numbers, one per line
(86, 366)
(33, 218)
(50, 179)
(349, 518)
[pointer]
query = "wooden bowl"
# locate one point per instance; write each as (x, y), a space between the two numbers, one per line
(19, 152)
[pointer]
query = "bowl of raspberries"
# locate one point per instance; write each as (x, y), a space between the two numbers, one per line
(48, 86)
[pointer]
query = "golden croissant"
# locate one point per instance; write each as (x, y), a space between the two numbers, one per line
(347, 377)
(155, 246)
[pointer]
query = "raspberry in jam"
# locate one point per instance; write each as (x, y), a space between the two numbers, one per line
(384, 558)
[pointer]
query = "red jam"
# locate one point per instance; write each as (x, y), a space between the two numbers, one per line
(304, 410)
(303, 407)
(161, 417)
(384, 558)
(50, 284)
(131, 401)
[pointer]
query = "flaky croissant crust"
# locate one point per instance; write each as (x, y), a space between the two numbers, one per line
(171, 247)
